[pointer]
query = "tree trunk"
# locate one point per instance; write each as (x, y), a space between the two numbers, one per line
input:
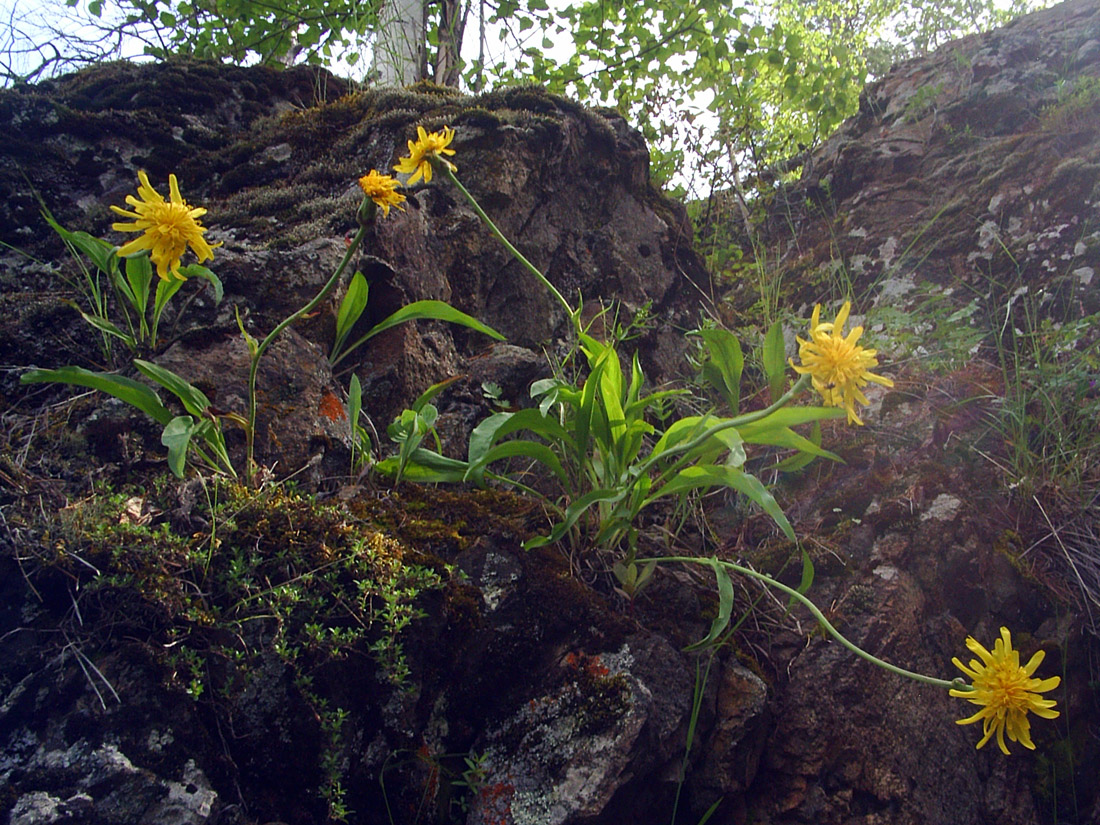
(400, 51)
(452, 25)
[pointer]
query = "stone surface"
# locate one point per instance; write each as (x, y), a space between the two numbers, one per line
(535, 697)
(275, 157)
(966, 174)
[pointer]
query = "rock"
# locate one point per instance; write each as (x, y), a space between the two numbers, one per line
(983, 143)
(532, 697)
(301, 420)
(569, 185)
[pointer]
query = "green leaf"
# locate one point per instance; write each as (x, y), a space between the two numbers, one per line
(204, 274)
(126, 389)
(787, 417)
(707, 475)
(351, 308)
(165, 291)
(139, 273)
(572, 513)
(427, 310)
(177, 438)
(728, 361)
(725, 606)
(807, 579)
(103, 325)
(499, 425)
(786, 437)
(775, 360)
(800, 460)
(355, 401)
(611, 395)
(690, 428)
(194, 401)
(432, 391)
(100, 252)
(252, 344)
(530, 449)
(424, 466)
(582, 423)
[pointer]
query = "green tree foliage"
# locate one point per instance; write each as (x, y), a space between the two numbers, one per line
(312, 31)
(726, 95)
(733, 87)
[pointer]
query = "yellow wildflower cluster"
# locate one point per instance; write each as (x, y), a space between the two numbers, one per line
(1005, 691)
(167, 227)
(840, 368)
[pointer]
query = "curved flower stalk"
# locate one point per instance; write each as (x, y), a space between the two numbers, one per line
(840, 368)
(365, 215)
(1005, 691)
(426, 153)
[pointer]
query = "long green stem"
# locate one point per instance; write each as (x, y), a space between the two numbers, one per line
(450, 175)
(958, 684)
(253, 368)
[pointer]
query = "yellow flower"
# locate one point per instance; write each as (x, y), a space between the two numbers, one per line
(1005, 691)
(168, 227)
(423, 151)
(839, 366)
(381, 189)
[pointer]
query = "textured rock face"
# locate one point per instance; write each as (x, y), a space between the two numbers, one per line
(969, 181)
(570, 709)
(276, 166)
(962, 170)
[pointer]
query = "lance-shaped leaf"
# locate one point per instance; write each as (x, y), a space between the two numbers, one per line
(126, 389)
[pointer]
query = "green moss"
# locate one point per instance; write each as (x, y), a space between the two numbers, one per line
(444, 522)
(481, 118)
(602, 700)
(1010, 544)
(273, 572)
(427, 87)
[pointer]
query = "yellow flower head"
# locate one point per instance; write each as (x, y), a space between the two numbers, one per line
(1005, 691)
(168, 227)
(381, 190)
(423, 151)
(838, 364)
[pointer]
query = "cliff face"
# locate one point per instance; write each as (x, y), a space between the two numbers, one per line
(972, 170)
(960, 211)
(197, 654)
(274, 158)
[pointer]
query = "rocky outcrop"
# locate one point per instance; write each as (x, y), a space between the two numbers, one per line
(973, 171)
(274, 157)
(959, 202)
(534, 694)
